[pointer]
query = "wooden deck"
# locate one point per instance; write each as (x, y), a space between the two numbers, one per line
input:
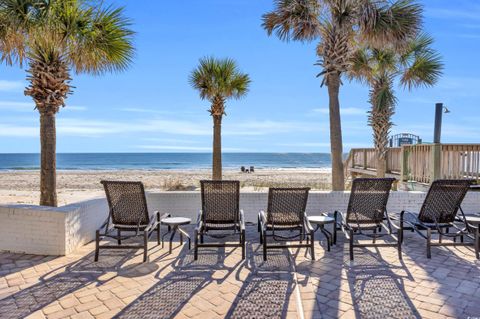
(422, 163)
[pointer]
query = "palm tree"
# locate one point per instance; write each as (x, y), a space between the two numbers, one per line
(340, 26)
(218, 80)
(418, 65)
(55, 37)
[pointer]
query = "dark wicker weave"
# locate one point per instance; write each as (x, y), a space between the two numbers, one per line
(220, 212)
(128, 212)
(440, 213)
(286, 212)
(367, 212)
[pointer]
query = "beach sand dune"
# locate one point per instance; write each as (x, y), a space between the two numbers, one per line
(22, 187)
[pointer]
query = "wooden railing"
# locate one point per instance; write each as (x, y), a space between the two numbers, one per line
(421, 163)
(365, 159)
(460, 161)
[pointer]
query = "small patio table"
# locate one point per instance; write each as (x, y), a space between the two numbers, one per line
(321, 221)
(174, 224)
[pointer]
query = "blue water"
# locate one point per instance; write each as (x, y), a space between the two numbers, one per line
(148, 161)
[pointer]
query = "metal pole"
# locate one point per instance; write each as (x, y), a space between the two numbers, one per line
(438, 123)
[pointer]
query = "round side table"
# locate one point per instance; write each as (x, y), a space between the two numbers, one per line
(174, 224)
(321, 221)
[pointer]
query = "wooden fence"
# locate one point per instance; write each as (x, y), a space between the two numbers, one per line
(421, 163)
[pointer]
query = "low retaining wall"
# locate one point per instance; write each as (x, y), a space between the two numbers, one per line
(59, 231)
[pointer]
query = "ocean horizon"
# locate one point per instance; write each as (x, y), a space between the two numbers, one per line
(165, 161)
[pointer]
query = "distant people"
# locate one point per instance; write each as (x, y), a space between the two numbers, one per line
(242, 169)
(252, 169)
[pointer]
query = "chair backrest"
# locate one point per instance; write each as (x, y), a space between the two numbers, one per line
(127, 202)
(286, 206)
(443, 200)
(220, 202)
(368, 200)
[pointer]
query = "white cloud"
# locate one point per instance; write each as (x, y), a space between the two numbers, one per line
(75, 108)
(185, 148)
(343, 111)
(16, 106)
(7, 130)
(8, 86)
(13, 106)
(472, 13)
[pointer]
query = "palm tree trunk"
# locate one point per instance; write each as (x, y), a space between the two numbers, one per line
(336, 146)
(381, 165)
(217, 148)
(48, 176)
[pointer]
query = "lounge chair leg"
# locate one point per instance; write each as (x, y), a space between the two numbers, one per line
(440, 238)
(264, 246)
(477, 242)
(429, 240)
(374, 235)
(351, 244)
(145, 246)
(119, 234)
(97, 245)
(201, 238)
(195, 249)
(158, 228)
(242, 240)
(261, 237)
(258, 223)
(312, 244)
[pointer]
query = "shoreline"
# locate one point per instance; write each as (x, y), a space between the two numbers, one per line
(22, 187)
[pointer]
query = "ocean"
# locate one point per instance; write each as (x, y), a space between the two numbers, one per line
(154, 161)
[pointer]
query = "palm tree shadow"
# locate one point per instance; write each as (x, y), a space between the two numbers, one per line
(377, 290)
(61, 282)
(267, 290)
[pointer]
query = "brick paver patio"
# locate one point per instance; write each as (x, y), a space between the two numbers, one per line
(219, 285)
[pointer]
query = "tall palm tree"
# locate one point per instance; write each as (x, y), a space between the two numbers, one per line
(55, 37)
(218, 80)
(340, 25)
(418, 65)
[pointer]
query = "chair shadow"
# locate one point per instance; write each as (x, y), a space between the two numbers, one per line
(61, 282)
(267, 290)
(450, 269)
(377, 291)
(14, 262)
(171, 293)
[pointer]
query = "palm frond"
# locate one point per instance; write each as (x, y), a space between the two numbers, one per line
(360, 66)
(384, 24)
(425, 70)
(293, 20)
(215, 78)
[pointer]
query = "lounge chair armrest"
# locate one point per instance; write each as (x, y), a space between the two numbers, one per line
(343, 218)
(105, 225)
(199, 216)
(162, 216)
(308, 225)
(198, 227)
(242, 220)
(263, 219)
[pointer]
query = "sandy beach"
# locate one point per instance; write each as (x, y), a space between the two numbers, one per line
(22, 187)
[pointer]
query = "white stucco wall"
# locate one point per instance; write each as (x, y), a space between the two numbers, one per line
(59, 231)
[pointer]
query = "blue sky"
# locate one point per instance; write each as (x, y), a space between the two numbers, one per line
(152, 108)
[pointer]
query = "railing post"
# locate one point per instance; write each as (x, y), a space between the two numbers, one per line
(404, 163)
(435, 161)
(365, 162)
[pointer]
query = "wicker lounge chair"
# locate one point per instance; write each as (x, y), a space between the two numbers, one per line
(128, 213)
(367, 213)
(286, 214)
(440, 213)
(220, 215)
